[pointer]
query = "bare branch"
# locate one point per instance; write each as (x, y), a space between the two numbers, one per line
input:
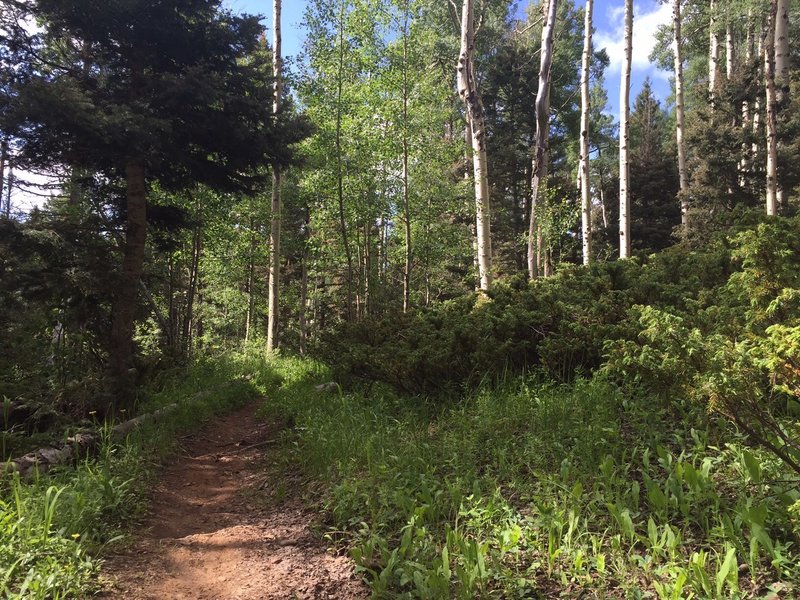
(454, 15)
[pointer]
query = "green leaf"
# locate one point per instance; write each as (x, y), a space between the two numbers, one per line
(728, 566)
(752, 465)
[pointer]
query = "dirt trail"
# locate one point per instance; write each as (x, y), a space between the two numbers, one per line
(208, 536)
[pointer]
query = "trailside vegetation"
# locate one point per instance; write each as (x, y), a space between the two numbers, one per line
(561, 353)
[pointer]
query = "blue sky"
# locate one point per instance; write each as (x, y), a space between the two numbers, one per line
(648, 15)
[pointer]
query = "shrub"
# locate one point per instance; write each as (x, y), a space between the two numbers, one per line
(558, 324)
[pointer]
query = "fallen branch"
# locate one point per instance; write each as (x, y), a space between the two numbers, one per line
(77, 446)
(86, 444)
(238, 451)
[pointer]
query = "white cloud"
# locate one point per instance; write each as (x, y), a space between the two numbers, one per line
(645, 26)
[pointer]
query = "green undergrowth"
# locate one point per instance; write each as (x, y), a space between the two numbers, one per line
(55, 527)
(530, 489)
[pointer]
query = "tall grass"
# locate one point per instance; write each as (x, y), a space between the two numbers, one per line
(531, 489)
(54, 527)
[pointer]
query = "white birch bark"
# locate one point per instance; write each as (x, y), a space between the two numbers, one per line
(730, 51)
(772, 116)
(406, 191)
(756, 122)
(541, 154)
(680, 120)
(470, 95)
(275, 227)
(624, 117)
(713, 52)
(781, 74)
(782, 49)
(729, 62)
(586, 192)
(3, 152)
(744, 162)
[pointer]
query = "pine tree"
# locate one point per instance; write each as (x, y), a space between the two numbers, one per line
(127, 73)
(654, 177)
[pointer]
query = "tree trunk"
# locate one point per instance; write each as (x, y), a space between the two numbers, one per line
(782, 60)
(406, 195)
(541, 150)
(468, 91)
(730, 52)
(173, 313)
(772, 116)
(123, 311)
(303, 314)
(713, 52)
(194, 275)
(602, 187)
(9, 188)
(729, 65)
(744, 161)
(251, 296)
(473, 227)
(275, 227)
(680, 125)
(303, 301)
(757, 106)
(340, 166)
(586, 192)
(359, 264)
(367, 269)
(624, 116)
(3, 154)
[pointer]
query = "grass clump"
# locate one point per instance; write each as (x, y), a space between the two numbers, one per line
(535, 489)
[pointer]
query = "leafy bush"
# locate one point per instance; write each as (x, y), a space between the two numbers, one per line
(559, 324)
(741, 358)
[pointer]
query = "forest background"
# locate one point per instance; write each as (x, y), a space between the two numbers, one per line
(521, 411)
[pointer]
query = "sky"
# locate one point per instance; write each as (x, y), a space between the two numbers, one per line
(648, 15)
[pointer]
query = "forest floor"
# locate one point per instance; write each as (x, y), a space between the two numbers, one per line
(223, 525)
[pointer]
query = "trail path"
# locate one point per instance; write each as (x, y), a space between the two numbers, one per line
(213, 535)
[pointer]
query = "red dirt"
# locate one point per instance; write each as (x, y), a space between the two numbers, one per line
(212, 534)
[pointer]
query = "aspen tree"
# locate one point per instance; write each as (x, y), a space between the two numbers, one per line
(3, 153)
(275, 227)
(781, 74)
(756, 121)
(772, 110)
(406, 195)
(624, 117)
(8, 188)
(680, 120)
(586, 198)
(745, 161)
(541, 154)
(782, 49)
(713, 52)
(470, 95)
(729, 61)
(730, 53)
(340, 155)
